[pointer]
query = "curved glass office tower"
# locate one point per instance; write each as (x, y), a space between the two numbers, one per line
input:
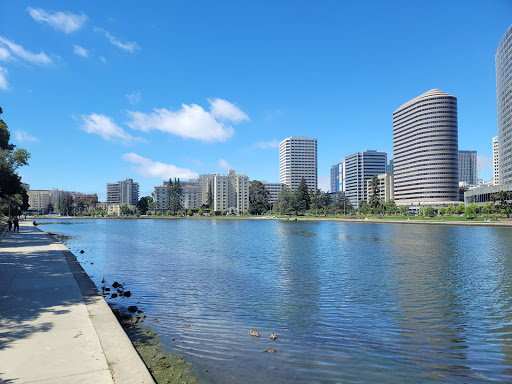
(504, 97)
(425, 149)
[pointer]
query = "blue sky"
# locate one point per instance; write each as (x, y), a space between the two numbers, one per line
(103, 91)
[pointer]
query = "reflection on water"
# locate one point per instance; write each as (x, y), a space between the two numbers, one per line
(351, 303)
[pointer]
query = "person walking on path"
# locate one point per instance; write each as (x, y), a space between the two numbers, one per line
(10, 223)
(16, 223)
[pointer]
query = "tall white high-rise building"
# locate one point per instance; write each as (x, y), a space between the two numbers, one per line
(359, 168)
(425, 146)
(231, 192)
(495, 161)
(298, 159)
(504, 98)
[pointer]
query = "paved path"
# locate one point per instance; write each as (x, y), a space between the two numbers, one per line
(54, 325)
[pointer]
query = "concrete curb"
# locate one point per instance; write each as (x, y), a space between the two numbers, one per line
(125, 363)
(424, 222)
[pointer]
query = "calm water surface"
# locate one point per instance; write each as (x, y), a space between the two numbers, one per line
(350, 303)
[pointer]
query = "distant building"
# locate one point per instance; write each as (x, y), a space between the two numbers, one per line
(190, 198)
(298, 159)
(425, 149)
(495, 161)
(386, 188)
(482, 195)
(273, 189)
(504, 97)
(468, 173)
(123, 192)
(231, 192)
(338, 177)
(360, 167)
(389, 167)
(40, 201)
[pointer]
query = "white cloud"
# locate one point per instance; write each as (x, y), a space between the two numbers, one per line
(150, 169)
(80, 51)
(267, 144)
(106, 127)
(18, 50)
(4, 54)
(129, 46)
(23, 136)
(324, 183)
(3, 79)
(224, 164)
(484, 162)
(190, 122)
(224, 110)
(61, 21)
(133, 97)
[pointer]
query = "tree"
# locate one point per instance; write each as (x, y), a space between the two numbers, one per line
(176, 204)
(460, 209)
(342, 203)
(315, 200)
(258, 198)
(471, 210)
(10, 160)
(390, 207)
(285, 201)
(124, 210)
(364, 208)
(65, 204)
(302, 199)
(442, 210)
(209, 197)
(429, 211)
(404, 210)
(144, 204)
(80, 206)
(487, 209)
(374, 201)
(200, 212)
(450, 209)
(169, 195)
(501, 201)
(189, 212)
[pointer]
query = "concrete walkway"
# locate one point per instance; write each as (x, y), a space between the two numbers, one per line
(54, 325)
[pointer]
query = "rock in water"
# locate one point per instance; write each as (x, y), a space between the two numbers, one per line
(114, 295)
(116, 284)
(82, 251)
(132, 308)
(127, 294)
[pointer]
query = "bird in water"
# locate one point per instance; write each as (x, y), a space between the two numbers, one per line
(254, 333)
(273, 336)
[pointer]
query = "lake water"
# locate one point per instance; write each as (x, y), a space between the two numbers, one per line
(349, 302)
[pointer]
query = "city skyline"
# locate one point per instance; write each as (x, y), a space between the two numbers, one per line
(198, 90)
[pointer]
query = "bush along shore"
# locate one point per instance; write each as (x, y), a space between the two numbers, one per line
(165, 368)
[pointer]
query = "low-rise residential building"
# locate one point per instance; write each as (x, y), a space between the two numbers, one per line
(273, 189)
(190, 198)
(115, 209)
(386, 190)
(40, 201)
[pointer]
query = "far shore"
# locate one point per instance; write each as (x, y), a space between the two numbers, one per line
(448, 220)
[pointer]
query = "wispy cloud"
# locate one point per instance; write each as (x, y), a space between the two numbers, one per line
(129, 46)
(103, 60)
(150, 169)
(191, 121)
(24, 137)
(133, 97)
(3, 78)
(19, 51)
(224, 110)
(66, 22)
(274, 143)
(223, 164)
(80, 51)
(105, 127)
(4, 54)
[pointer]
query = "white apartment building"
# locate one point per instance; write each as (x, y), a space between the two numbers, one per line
(231, 192)
(190, 199)
(273, 189)
(39, 201)
(123, 192)
(495, 161)
(386, 189)
(298, 159)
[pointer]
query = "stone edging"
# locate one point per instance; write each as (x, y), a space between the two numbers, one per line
(125, 363)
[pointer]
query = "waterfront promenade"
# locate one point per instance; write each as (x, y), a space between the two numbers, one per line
(54, 325)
